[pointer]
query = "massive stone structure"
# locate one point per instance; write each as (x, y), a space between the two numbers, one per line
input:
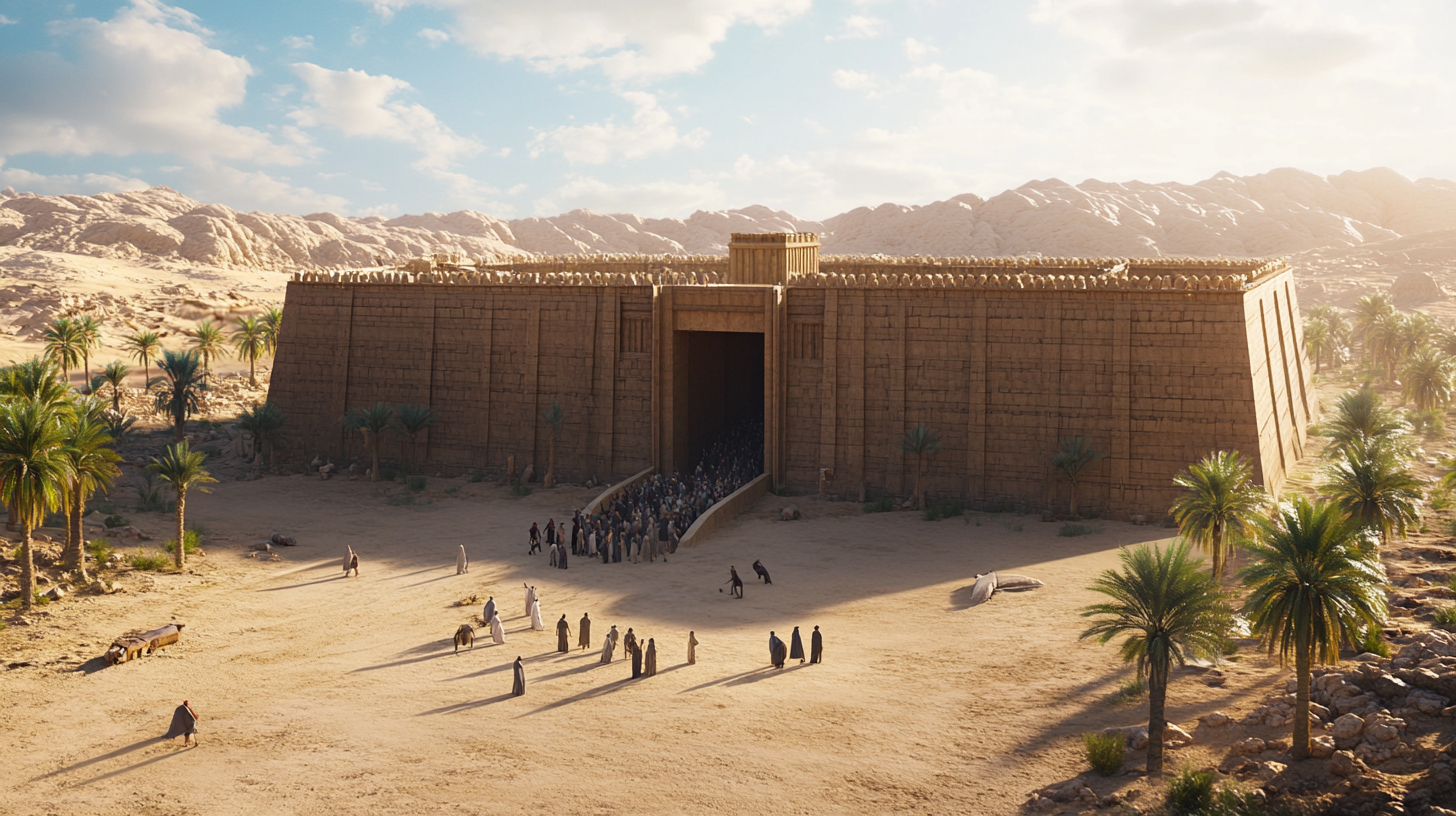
(1159, 361)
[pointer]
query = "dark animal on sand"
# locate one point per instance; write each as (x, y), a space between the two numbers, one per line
(762, 573)
(464, 636)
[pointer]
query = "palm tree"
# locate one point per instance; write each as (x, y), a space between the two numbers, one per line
(144, 346)
(371, 422)
(272, 321)
(1221, 502)
(179, 389)
(181, 467)
(251, 341)
(1368, 311)
(1316, 340)
(34, 380)
(34, 470)
(1371, 484)
(93, 467)
(207, 341)
(1311, 588)
(88, 329)
(1384, 340)
(115, 374)
(63, 346)
(554, 416)
(1075, 455)
(1167, 611)
(412, 420)
(1426, 379)
(265, 423)
(920, 441)
(1361, 414)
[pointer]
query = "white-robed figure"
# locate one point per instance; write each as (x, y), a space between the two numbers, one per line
(609, 646)
(536, 622)
(497, 632)
(530, 597)
(591, 542)
(462, 564)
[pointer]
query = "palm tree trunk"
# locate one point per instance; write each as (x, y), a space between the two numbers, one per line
(1300, 748)
(374, 452)
(253, 371)
(550, 480)
(181, 535)
(86, 358)
(75, 553)
(919, 457)
(1073, 509)
(1220, 557)
(116, 398)
(27, 570)
(1157, 717)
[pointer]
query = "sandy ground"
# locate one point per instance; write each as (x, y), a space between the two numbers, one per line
(318, 693)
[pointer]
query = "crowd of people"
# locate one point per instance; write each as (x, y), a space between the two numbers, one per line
(650, 517)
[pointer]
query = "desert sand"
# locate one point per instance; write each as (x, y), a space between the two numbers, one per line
(320, 694)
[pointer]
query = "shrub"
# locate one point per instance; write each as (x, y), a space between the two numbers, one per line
(520, 488)
(416, 483)
(1429, 424)
(884, 504)
(151, 494)
(112, 522)
(1232, 801)
(402, 500)
(943, 510)
(1074, 530)
(386, 474)
(1446, 618)
(1106, 752)
(192, 542)
(451, 491)
(1373, 643)
(100, 550)
(147, 561)
(1191, 791)
(477, 476)
(1130, 691)
(41, 600)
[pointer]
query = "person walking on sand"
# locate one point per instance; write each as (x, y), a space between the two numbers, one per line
(650, 662)
(184, 725)
(536, 622)
(736, 590)
(489, 610)
(796, 649)
(551, 532)
(462, 564)
(518, 688)
(629, 643)
(609, 646)
(530, 597)
(636, 660)
(692, 649)
(535, 534)
(561, 556)
(551, 550)
(351, 562)
(816, 647)
(777, 652)
(584, 631)
(497, 631)
(563, 635)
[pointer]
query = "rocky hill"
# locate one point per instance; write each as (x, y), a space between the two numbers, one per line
(1281, 212)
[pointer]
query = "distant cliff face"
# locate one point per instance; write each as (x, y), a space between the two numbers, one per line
(1281, 212)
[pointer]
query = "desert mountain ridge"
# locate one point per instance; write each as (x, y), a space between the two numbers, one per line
(1281, 212)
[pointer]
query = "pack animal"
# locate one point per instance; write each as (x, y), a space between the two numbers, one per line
(464, 636)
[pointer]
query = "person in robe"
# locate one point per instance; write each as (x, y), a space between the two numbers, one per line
(609, 646)
(649, 666)
(561, 558)
(351, 562)
(816, 647)
(184, 725)
(778, 653)
(563, 635)
(615, 636)
(518, 688)
(576, 533)
(762, 573)
(551, 549)
(636, 660)
(497, 631)
(551, 531)
(535, 534)
(692, 649)
(462, 564)
(737, 583)
(796, 646)
(616, 548)
(489, 610)
(536, 622)
(584, 631)
(530, 597)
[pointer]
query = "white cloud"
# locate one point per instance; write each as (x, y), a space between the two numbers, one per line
(257, 190)
(917, 50)
(433, 36)
(145, 81)
(5, 20)
(859, 27)
(854, 80)
(626, 39)
(299, 43)
(85, 184)
(651, 131)
(360, 104)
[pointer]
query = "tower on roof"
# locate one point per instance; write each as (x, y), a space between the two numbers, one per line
(772, 258)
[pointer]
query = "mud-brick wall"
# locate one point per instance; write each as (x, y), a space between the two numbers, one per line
(1157, 379)
(488, 359)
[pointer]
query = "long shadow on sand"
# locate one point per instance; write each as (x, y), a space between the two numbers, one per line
(102, 758)
(596, 692)
(456, 708)
(132, 767)
(505, 666)
(429, 581)
(92, 666)
(304, 584)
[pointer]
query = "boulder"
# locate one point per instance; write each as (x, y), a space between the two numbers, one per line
(1269, 770)
(1217, 719)
(1322, 747)
(1248, 747)
(1344, 763)
(1388, 686)
(1348, 727)
(789, 512)
(1414, 288)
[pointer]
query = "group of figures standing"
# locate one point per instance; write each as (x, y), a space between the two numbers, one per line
(779, 654)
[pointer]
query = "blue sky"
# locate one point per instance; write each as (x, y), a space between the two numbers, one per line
(662, 107)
